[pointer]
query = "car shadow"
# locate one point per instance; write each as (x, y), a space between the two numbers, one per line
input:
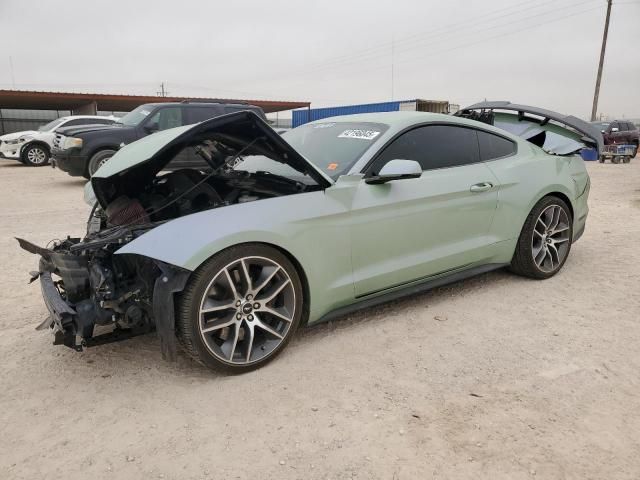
(434, 298)
(12, 164)
(143, 352)
(72, 181)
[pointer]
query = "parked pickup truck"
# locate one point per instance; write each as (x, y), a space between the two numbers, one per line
(81, 151)
(619, 132)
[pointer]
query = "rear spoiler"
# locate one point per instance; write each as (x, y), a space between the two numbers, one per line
(485, 112)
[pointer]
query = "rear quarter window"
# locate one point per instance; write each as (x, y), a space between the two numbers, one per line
(249, 108)
(200, 114)
(494, 146)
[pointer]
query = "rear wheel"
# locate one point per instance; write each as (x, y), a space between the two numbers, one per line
(240, 309)
(35, 156)
(545, 240)
(99, 159)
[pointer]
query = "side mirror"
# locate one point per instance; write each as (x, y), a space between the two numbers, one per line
(396, 170)
(615, 129)
(151, 127)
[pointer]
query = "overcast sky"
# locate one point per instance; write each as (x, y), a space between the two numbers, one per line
(539, 52)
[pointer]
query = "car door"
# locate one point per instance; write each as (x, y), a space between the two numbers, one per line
(410, 229)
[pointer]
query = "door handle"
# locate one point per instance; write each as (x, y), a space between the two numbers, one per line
(481, 187)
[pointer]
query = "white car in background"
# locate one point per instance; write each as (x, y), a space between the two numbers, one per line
(33, 147)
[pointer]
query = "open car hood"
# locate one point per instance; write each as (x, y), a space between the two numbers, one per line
(554, 132)
(139, 162)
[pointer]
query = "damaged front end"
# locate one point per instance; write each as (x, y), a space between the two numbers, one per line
(96, 293)
(95, 297)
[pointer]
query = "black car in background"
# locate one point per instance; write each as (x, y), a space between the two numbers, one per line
(80, 151)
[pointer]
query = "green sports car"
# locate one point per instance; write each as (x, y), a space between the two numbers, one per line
(229, 258)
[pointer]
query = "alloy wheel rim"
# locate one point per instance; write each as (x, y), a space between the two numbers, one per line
(101, 163)
(247, 310)
(550, 242)
(36, 155)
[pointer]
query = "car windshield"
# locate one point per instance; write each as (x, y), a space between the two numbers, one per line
(51, 125)
(333, 147)
(134, 117)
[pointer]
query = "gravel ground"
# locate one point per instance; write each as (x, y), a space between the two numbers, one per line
(494, 377)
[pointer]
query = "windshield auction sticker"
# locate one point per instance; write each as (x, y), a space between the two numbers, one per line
(359, 134)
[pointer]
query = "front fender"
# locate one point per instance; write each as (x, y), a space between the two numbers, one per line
(44, 145)
(311, 227)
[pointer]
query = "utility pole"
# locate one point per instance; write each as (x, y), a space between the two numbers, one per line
(594, 109)
(162, 92)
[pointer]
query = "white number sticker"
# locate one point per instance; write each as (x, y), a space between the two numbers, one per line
(359, 134)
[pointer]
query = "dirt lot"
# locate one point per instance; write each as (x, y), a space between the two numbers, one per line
(495, 377)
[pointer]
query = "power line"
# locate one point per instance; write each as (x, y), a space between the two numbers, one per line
(431, 33)
(463, 45)
(477, 29)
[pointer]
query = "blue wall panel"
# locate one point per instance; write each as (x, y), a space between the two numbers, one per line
(301, 117)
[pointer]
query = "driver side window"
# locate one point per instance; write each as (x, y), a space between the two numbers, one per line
(432, 146)
(167, 118)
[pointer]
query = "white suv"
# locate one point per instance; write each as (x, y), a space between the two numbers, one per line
(33, 147)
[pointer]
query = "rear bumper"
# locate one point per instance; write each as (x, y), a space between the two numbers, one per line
(73, 163)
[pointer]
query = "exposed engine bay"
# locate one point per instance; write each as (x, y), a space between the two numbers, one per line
(95, 296)
(187, 191)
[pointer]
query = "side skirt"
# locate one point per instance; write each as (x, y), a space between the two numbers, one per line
(410, 289)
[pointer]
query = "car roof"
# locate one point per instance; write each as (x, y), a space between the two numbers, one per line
(388, 118)
(200, 104)
(75, 117)
(397, 121)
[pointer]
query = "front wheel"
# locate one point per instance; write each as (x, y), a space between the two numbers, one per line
(99, 159)
(545, 240)
(240, 309)
(35, 156)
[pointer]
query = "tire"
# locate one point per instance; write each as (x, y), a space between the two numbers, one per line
(545, 240)
(615, 159)
(243, 333)
(626, 159)
(99, 159)
(35, 155)
(601, 159)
